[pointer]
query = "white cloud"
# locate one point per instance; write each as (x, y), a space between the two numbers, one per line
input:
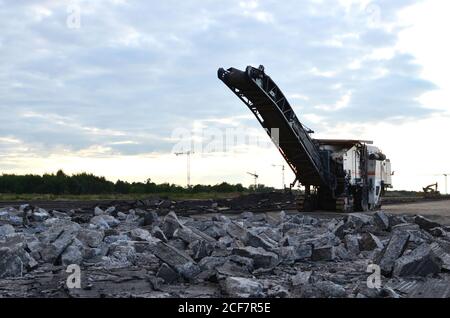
(297, 96)
(424, 38)
(9, 140)
(38, 13)
(249, 5)
(250, 9)
(342, 103)
(313, 118)
(316, 72)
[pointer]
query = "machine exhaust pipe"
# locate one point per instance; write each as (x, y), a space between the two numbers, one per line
(377, 156)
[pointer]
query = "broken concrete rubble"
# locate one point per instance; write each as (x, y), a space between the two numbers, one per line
(276, 254)
(14, 259)
(393, 250)
(369, 242)
(186, 234)
(341, 253)
(6, 230)
(442, 255)
(159, 234)
(140, 235)
(98, 211)
(11, 216)
(230, 268)
(325, 253)
(236, 231)
(256, 240)
(260, 257)
(287, 254)
(358, 220)
(419, 262)
(329, 289)
(201, 249)
(352, 243)
(438, 232)
(10, 264)
(242, 287)
(104, 221)
(167, 273)
(90, 238)
(59, 236)
(40, 215)
(150, 218)
(382, 220)
(425, 223)
(72, 254)
(178, 260)
(170, 224)
(301, 278)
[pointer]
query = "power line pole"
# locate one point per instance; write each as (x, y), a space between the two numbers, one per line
(283, 184)
(445, 175)
(188, 164)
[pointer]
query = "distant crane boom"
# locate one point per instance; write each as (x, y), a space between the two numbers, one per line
(188, 164)
(255, 176)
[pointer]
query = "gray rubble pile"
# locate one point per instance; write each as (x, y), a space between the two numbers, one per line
(141, 252)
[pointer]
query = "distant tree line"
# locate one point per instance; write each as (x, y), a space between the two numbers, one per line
(84, 183)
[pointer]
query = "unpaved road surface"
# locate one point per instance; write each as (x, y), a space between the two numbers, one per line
(436, 210)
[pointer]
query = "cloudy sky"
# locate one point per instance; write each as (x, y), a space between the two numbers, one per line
(112, 87)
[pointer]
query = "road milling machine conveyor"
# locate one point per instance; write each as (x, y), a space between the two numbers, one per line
(338, 175)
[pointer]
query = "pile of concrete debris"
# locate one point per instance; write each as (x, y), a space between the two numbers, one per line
(256, 202)
(142, 253)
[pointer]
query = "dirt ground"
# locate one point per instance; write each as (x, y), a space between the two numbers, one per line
(436, 210)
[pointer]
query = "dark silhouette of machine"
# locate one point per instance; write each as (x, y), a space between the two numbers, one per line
(431, 191)
(342, 175)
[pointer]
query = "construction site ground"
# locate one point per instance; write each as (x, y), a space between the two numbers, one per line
(438, 210)
(250, 246)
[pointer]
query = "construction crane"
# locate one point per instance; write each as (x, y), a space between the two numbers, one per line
(343, 175)
(283, 184)
(255, 177)
(188, 164)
